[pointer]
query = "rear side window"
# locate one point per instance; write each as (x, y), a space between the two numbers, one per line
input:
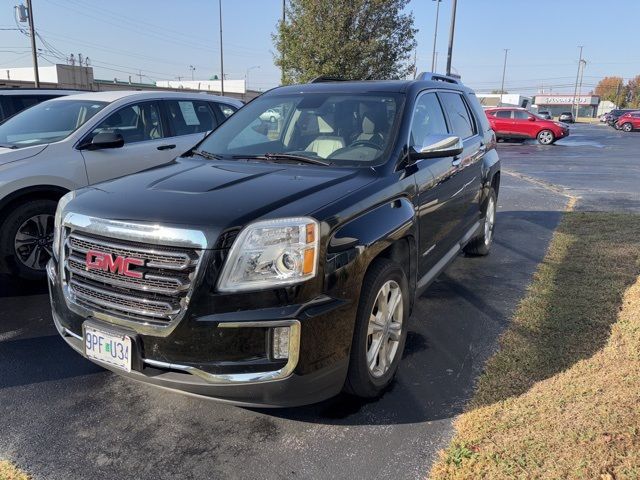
(190, 116)
(226, 110)
(462, 124)
(503, 114)
(428, 119)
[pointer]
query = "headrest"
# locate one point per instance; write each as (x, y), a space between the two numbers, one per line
(368, 125)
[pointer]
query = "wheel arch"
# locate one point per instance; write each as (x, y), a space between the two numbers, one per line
(386, 231)
(49, 192)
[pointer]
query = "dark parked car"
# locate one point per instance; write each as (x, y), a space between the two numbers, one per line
(278, 266)
(14, 100)
(546, 115)
(566, 117)
(614, 115)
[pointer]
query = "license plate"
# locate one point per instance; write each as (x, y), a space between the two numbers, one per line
(108, 347)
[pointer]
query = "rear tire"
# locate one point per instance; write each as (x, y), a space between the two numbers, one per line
(380, 330)
(546, 137)
(26, 238)
(627, 127)
(481, 244)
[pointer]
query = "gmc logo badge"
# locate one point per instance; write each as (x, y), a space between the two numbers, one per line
(104, 261)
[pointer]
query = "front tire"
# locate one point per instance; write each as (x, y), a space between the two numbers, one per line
(627, 127)
(546, 137)
(481, 244)
(26, 238)
(380, 330)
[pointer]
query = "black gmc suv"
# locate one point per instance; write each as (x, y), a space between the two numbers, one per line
(277, 263)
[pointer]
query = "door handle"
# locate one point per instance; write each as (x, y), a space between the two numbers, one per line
(166, 147)
(483, 148)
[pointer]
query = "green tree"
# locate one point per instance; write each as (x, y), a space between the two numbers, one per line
(612, 89)
(352, 39)
(633, 92)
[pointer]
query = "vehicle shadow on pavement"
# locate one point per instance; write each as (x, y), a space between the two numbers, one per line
(27, 361)
(454, 329)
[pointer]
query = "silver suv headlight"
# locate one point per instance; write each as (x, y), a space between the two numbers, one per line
(57, 223)
(272, 253)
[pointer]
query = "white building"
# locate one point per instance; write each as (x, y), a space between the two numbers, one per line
(505, 100)
(230, 86)
(64, 76)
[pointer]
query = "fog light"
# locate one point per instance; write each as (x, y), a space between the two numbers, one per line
(280, 343)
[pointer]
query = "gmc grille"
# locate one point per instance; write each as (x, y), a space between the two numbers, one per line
(157, 297)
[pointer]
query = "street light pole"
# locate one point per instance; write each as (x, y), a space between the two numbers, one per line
(221, 52)
(575, 91)
(451, 33)
(193, 69)
(34, 53)
(435, 36)
(504, 70)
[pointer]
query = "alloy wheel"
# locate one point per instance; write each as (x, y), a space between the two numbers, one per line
(545, 137)
(489, 221)
(385, 328)
(34, 240)
(627, 127)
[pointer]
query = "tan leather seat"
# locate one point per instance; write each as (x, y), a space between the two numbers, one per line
(325, 143)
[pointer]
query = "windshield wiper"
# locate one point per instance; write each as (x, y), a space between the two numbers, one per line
(284, 156)
(207, 155)
(12, 147)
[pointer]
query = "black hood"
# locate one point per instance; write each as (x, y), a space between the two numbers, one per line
(217, 195)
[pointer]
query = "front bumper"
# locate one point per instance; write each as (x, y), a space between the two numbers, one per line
(315, 369)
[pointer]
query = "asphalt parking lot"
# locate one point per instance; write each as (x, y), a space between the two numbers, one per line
(63, 417)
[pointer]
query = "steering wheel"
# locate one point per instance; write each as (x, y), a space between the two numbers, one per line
(365, 143)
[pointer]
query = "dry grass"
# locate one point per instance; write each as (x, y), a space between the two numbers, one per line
(9, 472)
(561, 398)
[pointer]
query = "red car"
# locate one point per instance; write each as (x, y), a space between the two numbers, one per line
(512, 122)
(629, 121)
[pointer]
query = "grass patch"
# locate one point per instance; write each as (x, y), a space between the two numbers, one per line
(561, 397)
(9, 472)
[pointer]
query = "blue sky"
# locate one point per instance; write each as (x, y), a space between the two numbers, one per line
(162, 38)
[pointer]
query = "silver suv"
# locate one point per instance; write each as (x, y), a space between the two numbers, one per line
(79, 140)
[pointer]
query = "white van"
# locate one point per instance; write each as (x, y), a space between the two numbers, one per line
(70, 142)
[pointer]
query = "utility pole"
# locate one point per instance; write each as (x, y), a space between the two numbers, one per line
(583, 63)
(504, 70)
(435, 36)
(140, 75)
(284, 19)
(451, 33)
(415, 62)
(221, 52)
(575, 91)
(193, 69)
(34, 52)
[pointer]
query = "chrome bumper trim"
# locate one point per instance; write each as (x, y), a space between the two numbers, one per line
(246, 378)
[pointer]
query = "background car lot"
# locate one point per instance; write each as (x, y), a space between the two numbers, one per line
(118, 427)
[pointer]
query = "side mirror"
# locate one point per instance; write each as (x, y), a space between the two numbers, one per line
(105, 140)
(532, 118)
(439, 146)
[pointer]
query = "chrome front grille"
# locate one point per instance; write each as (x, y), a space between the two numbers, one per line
(157, 297)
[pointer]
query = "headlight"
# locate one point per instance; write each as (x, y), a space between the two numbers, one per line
(272, 253)
(57, 224)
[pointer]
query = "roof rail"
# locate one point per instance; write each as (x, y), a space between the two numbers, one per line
(326, 78)
(437, 77)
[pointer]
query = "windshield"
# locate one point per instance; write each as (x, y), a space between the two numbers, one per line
(331, 128)
(47, 122)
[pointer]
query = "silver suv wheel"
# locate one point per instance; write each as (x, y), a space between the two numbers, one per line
(33, 241)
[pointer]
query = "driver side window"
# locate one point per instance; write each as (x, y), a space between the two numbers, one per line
(138, 122)
(428, 119)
